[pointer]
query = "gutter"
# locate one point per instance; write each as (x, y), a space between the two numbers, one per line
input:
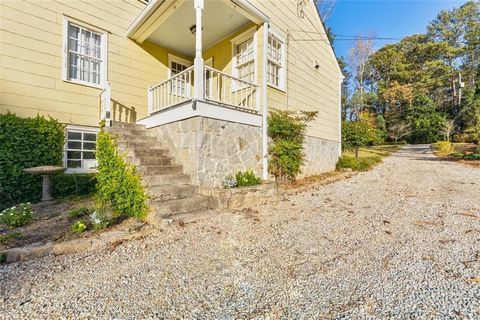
(143, 16)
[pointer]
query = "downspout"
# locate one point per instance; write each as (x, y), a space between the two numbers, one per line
(264, 103)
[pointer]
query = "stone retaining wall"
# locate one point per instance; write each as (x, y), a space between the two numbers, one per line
(211, 149)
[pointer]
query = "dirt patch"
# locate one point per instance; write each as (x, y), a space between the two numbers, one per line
(50, 224)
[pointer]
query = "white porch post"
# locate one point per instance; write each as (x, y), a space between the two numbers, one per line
(264, 103)
(198, 62)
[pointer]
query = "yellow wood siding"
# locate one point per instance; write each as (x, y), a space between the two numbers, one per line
(31, 57)
(31, 52)
(307, 88)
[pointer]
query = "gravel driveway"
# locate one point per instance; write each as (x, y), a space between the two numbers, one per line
(399, 242)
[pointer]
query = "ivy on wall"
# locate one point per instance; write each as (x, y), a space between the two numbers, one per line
(25, 143)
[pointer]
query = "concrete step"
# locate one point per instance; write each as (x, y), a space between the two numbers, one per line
(136, 144)
(154, 169)
(150, 160)
(165, 209)
(154, 180)
(134, 137)
(124, 125)
(153, 152)
(170, 192)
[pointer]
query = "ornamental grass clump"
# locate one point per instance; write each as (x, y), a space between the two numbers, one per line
(287, 132)
(17, 216)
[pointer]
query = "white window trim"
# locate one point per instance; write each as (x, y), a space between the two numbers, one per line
(283, 71)
(248, 34)
(64, 159)
(174, 58)
(187, 63)
(104, 69)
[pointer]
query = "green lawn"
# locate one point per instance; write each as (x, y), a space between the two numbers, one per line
(367, 157)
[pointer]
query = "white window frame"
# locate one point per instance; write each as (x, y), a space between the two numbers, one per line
(187, 63)
(282, 77)
(247, 35)
(81, 129)
(104, 52)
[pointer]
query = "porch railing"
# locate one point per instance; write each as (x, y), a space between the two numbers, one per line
(106, 104)
(219, 87)
(223, 88)
(175, 90)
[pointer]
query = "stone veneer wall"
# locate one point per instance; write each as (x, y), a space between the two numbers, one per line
(209, 152)
(321, 156)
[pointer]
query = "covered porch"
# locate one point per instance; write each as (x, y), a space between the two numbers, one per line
(218, 71)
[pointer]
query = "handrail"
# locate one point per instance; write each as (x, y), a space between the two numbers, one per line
(105, 104)
(172, 77)
(230, 76)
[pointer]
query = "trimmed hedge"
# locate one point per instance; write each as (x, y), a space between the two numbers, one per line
(118, 184)
(24, 143)
(74, 184)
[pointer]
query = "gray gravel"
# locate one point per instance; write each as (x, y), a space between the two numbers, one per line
(400, 241)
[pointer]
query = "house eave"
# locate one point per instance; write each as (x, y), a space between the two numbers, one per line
(249, 10)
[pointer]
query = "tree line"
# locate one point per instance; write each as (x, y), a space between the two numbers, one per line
(421, 89)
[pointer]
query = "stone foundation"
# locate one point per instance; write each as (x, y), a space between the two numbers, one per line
(211, 149)
(321, 156)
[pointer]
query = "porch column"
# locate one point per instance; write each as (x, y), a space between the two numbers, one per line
(198, 62)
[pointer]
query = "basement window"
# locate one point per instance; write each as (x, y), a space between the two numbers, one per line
(80, 149)
(85, 51)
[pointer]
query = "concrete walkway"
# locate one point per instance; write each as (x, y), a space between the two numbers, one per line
(399, 242)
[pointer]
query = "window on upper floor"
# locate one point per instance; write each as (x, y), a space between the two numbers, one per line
(276, 61)
(245, 60)
(85, 55)
(80, 149)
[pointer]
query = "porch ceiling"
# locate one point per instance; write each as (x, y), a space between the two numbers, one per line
(169, 23)
(219, 20)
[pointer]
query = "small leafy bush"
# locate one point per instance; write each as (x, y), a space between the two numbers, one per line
(287, 132)
(24, 143)
(73, 184)
(355, 134)
(247, 178)
(3, 257)
(78, 227)
(472, 156)
(17, 216)
(100, 218)
(230, 182)
(118, 184)
(78, 212)
(357, 164)
(444, 147)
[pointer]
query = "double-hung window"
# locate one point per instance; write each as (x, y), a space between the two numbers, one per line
(245, 60)
(179, 86)
(85, 55)
(80, 149)
(276, 61)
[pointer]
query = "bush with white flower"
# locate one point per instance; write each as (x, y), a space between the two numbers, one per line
(99, 219)
(17, 216)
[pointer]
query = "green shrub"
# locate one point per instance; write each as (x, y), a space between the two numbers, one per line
(287, 131)
(472, 156)
(17, 216)
(118, 185)
(78, 212)
(444, 147)
(78, 227)
(355, 134)
(3, 257)
(73, 184)
(247, 178)
(357, 164)
(24, 143)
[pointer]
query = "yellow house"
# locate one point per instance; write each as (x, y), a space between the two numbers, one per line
(199, 75)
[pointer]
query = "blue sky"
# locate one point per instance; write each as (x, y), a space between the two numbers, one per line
(385, 18)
